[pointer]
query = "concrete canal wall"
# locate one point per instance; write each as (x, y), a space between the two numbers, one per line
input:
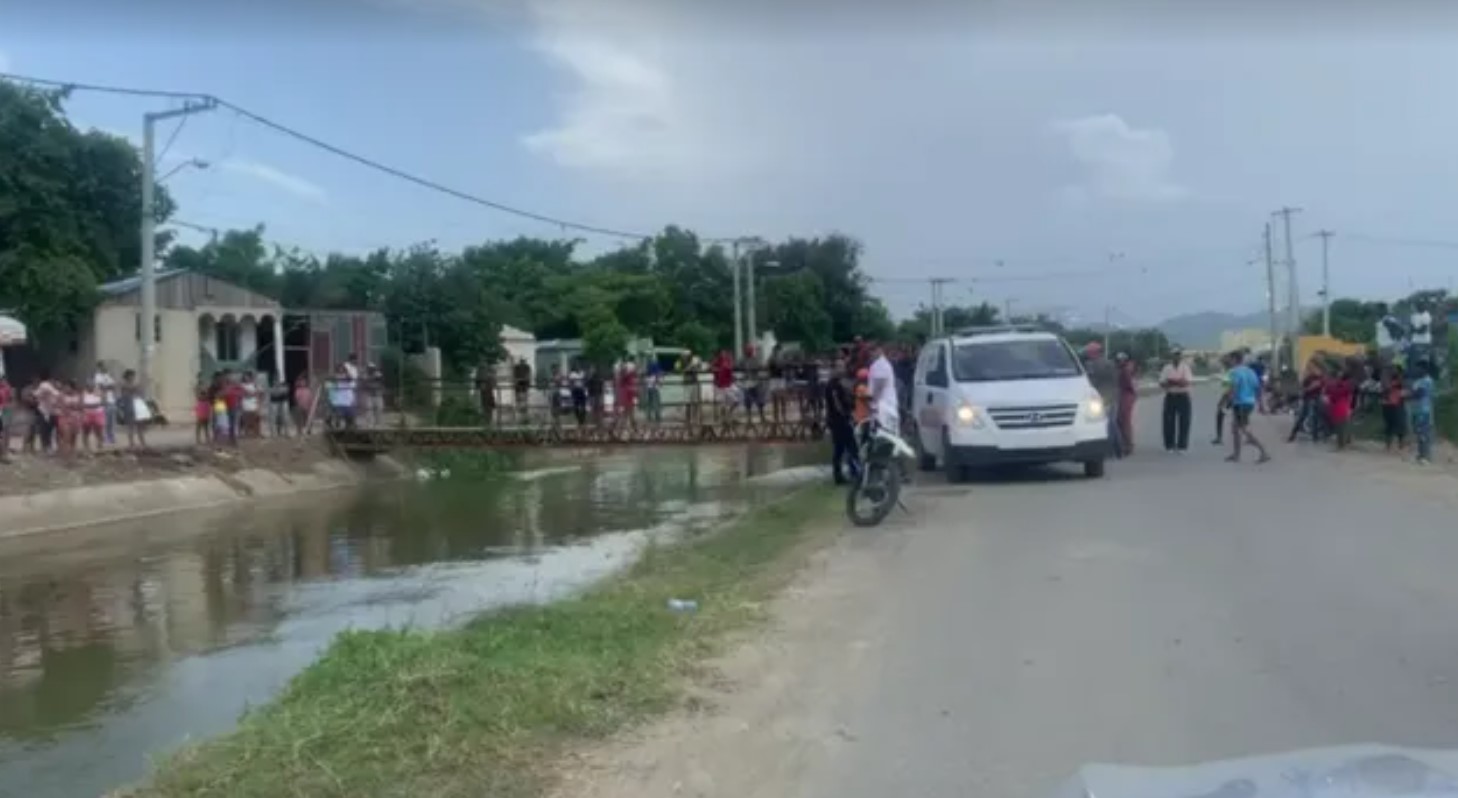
(86, 505)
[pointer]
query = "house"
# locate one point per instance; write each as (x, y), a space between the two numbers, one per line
(205, 325)
(202, 325)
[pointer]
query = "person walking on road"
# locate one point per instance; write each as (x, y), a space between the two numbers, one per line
(1223, 405)
(1421, 398)
(1245, 397)
(1175, 378)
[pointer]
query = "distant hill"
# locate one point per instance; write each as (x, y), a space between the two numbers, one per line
(1202, 330)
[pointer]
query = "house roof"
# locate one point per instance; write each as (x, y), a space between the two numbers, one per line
(510, 333)
(126, 285)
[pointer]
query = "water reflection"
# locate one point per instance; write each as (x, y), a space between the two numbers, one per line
(120, 642)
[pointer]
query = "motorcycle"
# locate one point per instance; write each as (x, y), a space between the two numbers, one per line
(880, 475)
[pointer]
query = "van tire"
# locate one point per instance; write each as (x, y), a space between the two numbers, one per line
(1093, 469)
(955, 473)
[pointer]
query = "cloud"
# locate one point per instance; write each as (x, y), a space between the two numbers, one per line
(278, 178)
(1120, 162)
(625, 111)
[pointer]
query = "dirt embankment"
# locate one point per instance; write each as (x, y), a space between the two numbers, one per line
(45, 492)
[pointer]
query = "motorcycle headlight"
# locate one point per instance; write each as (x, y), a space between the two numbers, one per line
(1093, 408)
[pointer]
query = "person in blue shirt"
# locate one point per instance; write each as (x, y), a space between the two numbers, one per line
(1245, 395)
(1420, 404)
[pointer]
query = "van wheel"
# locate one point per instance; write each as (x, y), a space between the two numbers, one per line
(1093, 469)
(955, 473)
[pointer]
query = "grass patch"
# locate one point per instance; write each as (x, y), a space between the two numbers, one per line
(479, 711)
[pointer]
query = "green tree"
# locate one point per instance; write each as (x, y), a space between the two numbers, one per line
(795, 310)
(69, 210)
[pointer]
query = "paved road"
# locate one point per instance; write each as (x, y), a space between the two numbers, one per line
(1181, 610)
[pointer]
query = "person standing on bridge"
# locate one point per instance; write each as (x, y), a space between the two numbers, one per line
(1175, 378)
(1245, 397)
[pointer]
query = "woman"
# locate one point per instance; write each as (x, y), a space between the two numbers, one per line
(625, 393)
(93, 417)
(1394, 409)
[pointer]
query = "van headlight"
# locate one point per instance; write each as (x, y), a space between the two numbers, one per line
(971, 416)
(1093, 409)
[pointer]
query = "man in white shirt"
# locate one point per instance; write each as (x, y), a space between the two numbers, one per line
(883, 390)
(1176, 378)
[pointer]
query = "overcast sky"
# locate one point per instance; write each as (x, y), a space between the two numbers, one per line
(946, 137)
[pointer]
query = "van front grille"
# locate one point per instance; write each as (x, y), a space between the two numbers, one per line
(1040, 417)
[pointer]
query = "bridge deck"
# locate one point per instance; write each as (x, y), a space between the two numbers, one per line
(381, 439)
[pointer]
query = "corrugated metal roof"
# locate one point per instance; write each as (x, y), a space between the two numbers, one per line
(127, 285)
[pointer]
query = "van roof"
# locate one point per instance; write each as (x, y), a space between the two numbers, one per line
(1000, 335)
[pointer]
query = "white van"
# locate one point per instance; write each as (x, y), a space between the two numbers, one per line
(1006, 395)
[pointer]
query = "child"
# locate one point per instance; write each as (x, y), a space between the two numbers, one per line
(1394, 414)
(132, 409)
(1339, 394)
(1421, 402)
(249, 406)
(68, 418)
(202, 412)
(303, 404)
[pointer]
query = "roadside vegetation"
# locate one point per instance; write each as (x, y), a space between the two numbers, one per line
(482, 710)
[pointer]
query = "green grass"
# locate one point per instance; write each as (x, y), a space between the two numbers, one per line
(480, 711)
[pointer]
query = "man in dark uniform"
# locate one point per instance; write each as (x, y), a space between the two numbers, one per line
(839, 410)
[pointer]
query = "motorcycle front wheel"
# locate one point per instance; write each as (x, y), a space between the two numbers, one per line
(872, 497)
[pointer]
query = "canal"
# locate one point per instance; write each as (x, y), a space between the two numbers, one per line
(119, 643)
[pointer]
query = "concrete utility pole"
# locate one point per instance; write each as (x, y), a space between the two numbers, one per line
(938, 322)
(734, 265)
(1271, 301)
(1108, 312)
(1295, 309)
(1325, 283)
(148, 231)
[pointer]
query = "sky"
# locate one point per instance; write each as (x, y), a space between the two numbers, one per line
(1078, 158)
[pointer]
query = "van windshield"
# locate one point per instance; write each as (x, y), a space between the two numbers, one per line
(1030, 359)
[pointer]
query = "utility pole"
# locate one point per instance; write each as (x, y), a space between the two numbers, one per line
(752, 330)
(938, 323)
(1108, 311)
(148, 232)
(1271, 302)
(1294, 322)
(734, 265)
(1007, 310)
(1325, 283)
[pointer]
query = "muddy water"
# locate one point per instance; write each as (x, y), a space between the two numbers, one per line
(119, 643)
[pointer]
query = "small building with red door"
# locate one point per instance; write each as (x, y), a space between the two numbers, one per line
(317, 341)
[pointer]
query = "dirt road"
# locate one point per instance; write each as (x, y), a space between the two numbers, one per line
(1181, 610)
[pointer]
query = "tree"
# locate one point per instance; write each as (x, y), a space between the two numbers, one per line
(70, 209)
(795, 310)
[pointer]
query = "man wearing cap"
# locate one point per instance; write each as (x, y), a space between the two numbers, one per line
(1175, 378)
(1105, 380)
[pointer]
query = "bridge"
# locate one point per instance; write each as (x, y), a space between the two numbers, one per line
(374, 440)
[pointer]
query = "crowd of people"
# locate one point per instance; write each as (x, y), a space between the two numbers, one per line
(50, 415)
(780, 386)
(1324, 403)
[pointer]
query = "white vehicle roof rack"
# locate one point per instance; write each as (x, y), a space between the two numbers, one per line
(998, 329)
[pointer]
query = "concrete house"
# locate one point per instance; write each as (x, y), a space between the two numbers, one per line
(203, 325)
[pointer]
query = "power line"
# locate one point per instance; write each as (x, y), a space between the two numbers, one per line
(341, 152)
(172, 139)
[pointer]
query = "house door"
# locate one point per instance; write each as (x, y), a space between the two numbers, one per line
(321, 346)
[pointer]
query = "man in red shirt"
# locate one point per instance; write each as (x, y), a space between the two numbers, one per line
(724, 397)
